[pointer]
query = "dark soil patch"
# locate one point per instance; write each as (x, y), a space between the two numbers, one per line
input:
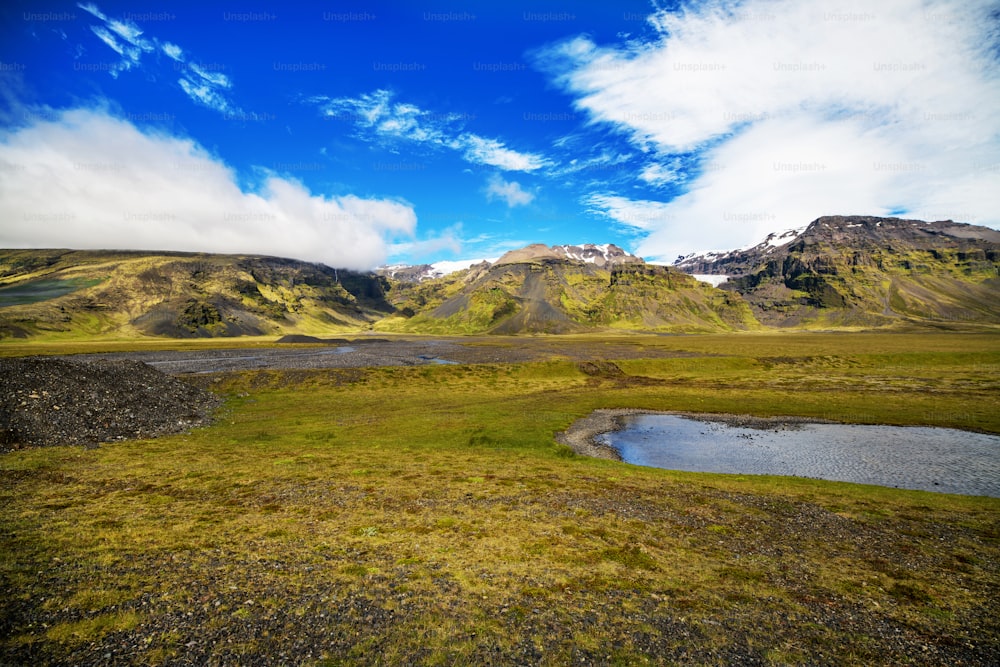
(45, 401)
(303, 339)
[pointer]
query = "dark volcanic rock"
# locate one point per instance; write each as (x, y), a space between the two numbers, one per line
(46, 401)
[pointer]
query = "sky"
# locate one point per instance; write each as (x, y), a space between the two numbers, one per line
(365, 132)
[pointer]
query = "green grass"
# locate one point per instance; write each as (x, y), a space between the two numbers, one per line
(426, 515)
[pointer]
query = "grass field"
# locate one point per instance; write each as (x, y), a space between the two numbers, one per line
(426, 515)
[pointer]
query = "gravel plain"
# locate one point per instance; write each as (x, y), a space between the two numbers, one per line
(314, 353)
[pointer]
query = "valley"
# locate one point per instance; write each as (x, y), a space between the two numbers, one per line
(428, 514)
(389, 471)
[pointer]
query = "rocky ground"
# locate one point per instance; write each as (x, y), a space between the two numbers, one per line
(785, 593)
(92, 398)
(306, 352)
(46, 401)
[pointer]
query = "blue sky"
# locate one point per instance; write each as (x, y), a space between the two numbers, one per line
(361, 133)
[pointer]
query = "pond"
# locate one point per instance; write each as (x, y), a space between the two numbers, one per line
(41, 290)
(906, 457)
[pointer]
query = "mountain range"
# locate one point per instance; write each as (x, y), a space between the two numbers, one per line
(838, 271)
(562, 289)
(866, 271)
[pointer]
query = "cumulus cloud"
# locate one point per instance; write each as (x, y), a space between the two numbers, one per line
(84, 179)
(789, 110)
(508, 191)
(378, 114)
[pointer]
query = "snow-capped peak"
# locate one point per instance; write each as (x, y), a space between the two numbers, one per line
(770, 242)
(777, 239)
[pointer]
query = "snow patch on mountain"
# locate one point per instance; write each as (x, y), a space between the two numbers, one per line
(604, 255)
(712, 280)
(422, 272)
(769, 244)
(447, 267)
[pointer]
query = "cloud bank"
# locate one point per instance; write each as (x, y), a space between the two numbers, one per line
(789, 110)
(84, 179)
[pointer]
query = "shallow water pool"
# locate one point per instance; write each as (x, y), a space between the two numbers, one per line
(906, 457)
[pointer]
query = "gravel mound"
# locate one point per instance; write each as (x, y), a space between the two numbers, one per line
(302, 338)
(46, 401)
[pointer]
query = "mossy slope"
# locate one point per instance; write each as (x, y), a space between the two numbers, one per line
(560, 296)
(64, 293)
(865, 271)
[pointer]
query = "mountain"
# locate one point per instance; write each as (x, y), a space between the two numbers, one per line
(865, 271)
(66, 292)
(729, 262)
(421, 272)
(601, 255)
(839, 271)
(562, 289)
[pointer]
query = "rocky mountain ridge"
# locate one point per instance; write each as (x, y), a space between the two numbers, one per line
(564, 289)
(602, 255)
(853, 271)
(867, 271)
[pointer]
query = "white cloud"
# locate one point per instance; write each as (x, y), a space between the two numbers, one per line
(448, 240)
(204, 93)
(83, 179)
(92, 9)
(202, 86)
(207, 88)
(494, 153)
(131, 33)
(797, 109)
(399, 121)
(509, 191)
(635, 215)
(660, 174)
(114, 30)
(215, 78)
(174, 51)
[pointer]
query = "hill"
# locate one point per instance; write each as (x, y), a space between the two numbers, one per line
(839, 271)
(66, 292)
(865, 271)
(563, 289)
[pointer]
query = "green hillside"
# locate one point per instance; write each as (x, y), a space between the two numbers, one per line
(865, 271)
(548, 295)
(840, 272)
(62, 293)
